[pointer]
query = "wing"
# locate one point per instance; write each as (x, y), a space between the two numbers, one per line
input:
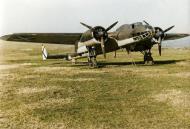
(173, 36)
(52, 38)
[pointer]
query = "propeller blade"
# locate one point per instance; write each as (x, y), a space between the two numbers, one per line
(110, 27)
(160, 49)
(89, 27)
(166, 30)
(103, 47)
(160, 46)
(146, 22)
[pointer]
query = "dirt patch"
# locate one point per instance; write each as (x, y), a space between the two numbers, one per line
(48, 103)
(66, 70)
(183, 63)
(6, 75)
(30, 90)
(176, 98)
(13, 66)
(28, 64)
(31, 76)
(178, 75)
(92, 71)
(80, 79)
(3, 119)
(75, 79)
(182, 74)
(50, 69)
(27, 49)
(153, 75)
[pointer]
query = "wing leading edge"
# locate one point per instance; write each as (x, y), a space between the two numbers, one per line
(52, 38)
(174, 36)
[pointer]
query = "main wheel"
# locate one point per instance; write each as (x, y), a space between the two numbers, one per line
(90, 62)
(148, 60)
(94, 62)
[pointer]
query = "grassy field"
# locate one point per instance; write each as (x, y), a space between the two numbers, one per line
(55, 94)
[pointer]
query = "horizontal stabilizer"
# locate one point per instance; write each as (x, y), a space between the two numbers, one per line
(45, 55)
(58, 57)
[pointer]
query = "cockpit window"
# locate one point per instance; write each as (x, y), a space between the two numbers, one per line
(138, 23)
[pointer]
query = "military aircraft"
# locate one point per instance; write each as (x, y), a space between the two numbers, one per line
(139, 36)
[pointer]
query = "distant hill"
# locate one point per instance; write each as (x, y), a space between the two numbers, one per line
(180, 43)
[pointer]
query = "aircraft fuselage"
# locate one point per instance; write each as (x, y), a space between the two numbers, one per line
(121, 38)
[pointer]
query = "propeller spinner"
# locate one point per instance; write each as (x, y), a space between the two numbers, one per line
(100, 34)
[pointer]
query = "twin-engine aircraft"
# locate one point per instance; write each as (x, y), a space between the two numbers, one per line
(140, 36)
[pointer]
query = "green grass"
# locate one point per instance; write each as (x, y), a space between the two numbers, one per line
(56, 94)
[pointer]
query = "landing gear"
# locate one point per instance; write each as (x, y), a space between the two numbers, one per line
(148, 60)
(92, 57)
(92, 62)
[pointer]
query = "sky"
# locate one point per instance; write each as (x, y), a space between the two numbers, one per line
(59, 16)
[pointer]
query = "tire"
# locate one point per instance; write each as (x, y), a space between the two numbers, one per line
(94, 62)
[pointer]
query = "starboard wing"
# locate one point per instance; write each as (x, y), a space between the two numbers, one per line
(174, 36)
(52, 38)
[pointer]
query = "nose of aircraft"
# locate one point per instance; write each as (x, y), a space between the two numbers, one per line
(100, 34)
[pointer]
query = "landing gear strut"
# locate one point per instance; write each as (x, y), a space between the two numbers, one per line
(148, 60)
(92, 57)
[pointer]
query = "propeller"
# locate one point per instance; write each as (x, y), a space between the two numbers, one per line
(103, 47)
(146, 22)
(159, 35)
(100, 34)
(160, 46)
(166, 30)
(89, 27)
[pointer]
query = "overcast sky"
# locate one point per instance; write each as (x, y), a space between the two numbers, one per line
(65, 15)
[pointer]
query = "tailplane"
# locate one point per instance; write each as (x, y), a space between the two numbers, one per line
(46, 56)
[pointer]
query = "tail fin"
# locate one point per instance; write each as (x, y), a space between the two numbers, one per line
(44, 53)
